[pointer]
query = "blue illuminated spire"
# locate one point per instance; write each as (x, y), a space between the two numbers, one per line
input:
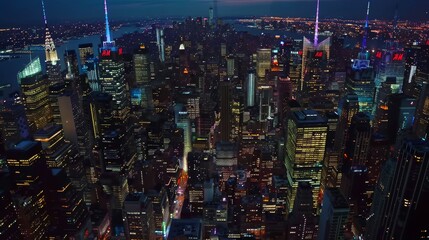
(365, 36)
(44, 13)
(108, 39)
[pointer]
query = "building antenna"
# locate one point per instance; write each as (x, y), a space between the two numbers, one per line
(108, 39)
(316, 30)
(44, 13)
(365, 36)
(395, 20)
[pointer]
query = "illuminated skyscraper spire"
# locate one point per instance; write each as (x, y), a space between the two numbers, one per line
(365, 36)
(106, 16)
(316, 30)
(44, 13)
(50, 50)
(395, 20)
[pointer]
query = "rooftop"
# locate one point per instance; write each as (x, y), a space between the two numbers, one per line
(308, 117)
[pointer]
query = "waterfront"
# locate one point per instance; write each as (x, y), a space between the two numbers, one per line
(10, 68)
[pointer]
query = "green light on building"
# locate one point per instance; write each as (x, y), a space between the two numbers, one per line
(33, 68)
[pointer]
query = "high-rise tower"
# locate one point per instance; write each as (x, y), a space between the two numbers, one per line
(366, 28)
(315, 56)
(53, 67)
(112, 75)
(404, 207)
(116, 138)
(34, 88)
(305, 149)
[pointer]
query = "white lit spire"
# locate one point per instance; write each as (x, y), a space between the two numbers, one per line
(50, 50)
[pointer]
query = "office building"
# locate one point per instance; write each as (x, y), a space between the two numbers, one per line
(358, 140)
(26, 164)
(9, 229)
(305, 150)
(250, 89)
(225, 94)
(53, 68)
(421, 122)
(86, 50)
(185, 228)
(139, 217)
(34, 88)
(405, 205)
(67, 210)
(141, 66)
(360, 81)
(334, 215)
(263, 62)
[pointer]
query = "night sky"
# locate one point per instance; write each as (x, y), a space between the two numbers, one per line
(15, 12)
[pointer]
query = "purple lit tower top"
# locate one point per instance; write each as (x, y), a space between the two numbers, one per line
(316, 30)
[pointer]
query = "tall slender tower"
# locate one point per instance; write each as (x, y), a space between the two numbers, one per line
(315, 57)
(316, 27)
(53, 67)
(365, 36)
(108, 42)
(395, 21)
(118, 152)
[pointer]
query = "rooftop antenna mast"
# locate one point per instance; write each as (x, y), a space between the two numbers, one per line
(365, 36)
(395, 20)
(44, 13)
(316, 30)
(108, 39)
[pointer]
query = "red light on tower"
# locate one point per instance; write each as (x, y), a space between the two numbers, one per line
(300, 52)
(120, 51)
(398, 57)
(105, 53)
(379, 54)
(318, 54)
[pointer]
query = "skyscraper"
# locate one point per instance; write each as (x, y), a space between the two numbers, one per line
(315, 57)
(405, 206)
(334, 215)
(85, 50)
(70, 217)
(390, 66)
(112, 79)
(53, 67)
(116, 138)
(27, 167)
(305, 150)
(161, 44)
(225, 94)
(250, 88)
(211, 17)
(360, 81)
(183, 122)
(141, 66)
(9, 225)
(358, 139)
(139, 217)
(263, 62)
(35, 92)
(421, 124)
